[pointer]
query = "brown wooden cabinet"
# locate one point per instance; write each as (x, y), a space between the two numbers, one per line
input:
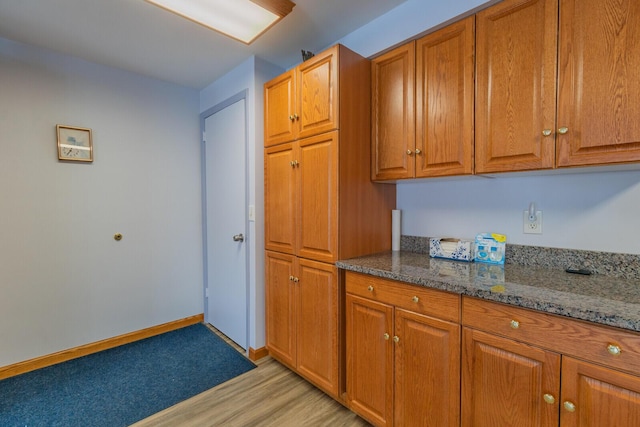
(516, 47)
(280, 105)
(445, 96)
(598, 83)
(320, 205)
(303, 101)
(393, 114)
(594, 396)
(302, 297)
(523, 368)
(423, 109)
(403, 353)
(301, 179)
(504, 382)
(520, 47)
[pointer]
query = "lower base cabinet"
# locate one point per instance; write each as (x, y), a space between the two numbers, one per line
(403, 364)
(594, 396)
(504, 382)
(525, 368)
(421, 357)
(302, 326)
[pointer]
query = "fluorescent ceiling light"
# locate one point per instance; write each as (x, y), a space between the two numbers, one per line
(242, 20)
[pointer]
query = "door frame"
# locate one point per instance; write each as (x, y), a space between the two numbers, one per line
(242, 95)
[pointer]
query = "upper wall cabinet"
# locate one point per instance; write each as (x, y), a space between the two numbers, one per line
(516, 71)
(422, 106)
(303, 101)
(393, 114)
(599, 83)
(444, 100)
(518, 53)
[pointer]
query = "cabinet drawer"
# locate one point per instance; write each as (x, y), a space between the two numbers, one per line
(431, 302)
(577, 338)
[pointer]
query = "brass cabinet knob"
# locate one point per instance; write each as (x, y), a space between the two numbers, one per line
(295, 116)
(291, 117)
(409, 152)
(514, 324)
(386, 336)
(549, 398)
(569, 406)
(546, 132)
(614, 349)
(415, 299)
(296, 280)
(563, 130)
(396, 338)
(418, 151)
(117, 237)
(370, 288)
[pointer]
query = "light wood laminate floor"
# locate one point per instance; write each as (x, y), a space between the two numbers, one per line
(269, 395)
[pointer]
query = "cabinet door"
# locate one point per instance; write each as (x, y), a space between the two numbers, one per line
(392, 114)
(599, 84)
(318, 192)
(504, 382)
(427, 371)
(280, 183)
(279, 109)
(369, 325)
(516, 45)
(445, 100)
(318, 324)
(601, 396)
(281, 306)
(317, 81)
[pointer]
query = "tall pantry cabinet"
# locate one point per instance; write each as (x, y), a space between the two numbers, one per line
(320, 206)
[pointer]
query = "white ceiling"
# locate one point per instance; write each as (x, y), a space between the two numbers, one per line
(136, 36)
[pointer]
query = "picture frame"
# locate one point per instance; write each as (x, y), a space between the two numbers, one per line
(75, 144)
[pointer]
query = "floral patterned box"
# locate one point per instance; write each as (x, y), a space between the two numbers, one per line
(452, 248)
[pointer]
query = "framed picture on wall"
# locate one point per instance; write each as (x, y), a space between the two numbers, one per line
(74, 144)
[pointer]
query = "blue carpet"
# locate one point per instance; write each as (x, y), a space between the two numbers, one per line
(120, 386)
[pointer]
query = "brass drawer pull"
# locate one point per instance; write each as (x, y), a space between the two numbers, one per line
(614, 349)
(549, 398)
(569, 406)
(514, 324)
(370, 288)
(415, 299)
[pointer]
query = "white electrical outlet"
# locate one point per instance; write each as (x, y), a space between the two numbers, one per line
(532, 227)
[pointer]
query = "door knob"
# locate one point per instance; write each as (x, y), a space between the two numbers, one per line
(238, 238)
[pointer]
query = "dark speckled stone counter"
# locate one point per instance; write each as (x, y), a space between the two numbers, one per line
(608, 300)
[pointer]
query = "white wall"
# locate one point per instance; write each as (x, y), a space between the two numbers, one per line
(64, 280)
(595, 211)
(250, 75)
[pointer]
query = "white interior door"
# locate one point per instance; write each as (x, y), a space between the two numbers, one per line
(226, 223)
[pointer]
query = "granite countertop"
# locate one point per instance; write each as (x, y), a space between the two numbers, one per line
(612, 301)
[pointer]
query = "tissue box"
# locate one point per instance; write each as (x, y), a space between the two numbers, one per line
(451, 248)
